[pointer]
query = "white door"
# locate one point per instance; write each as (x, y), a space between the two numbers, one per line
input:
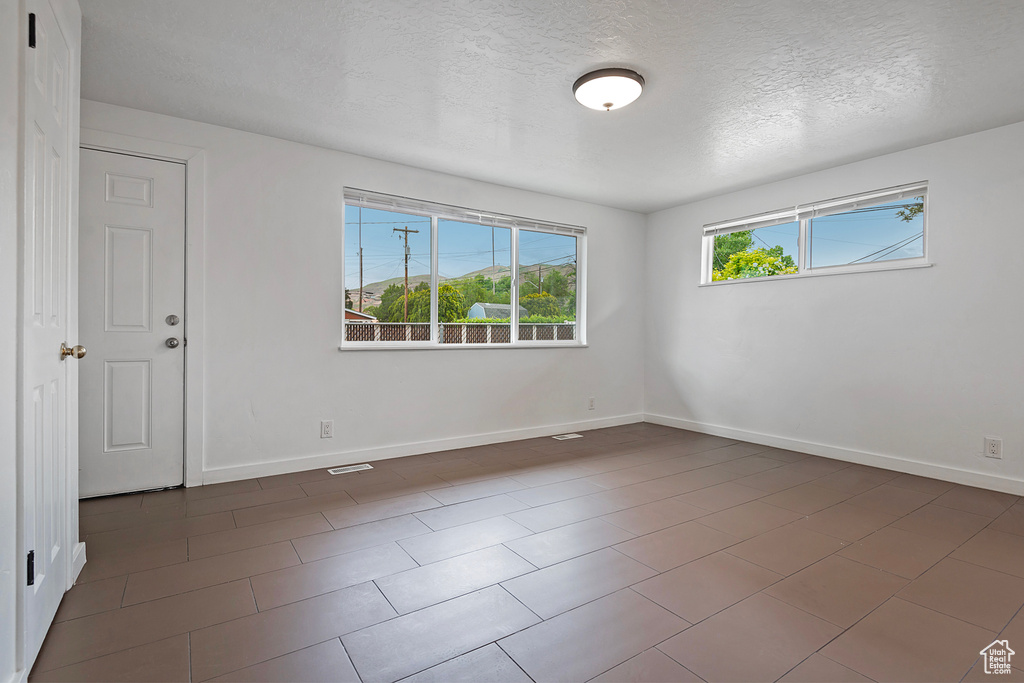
(48, 317)
(132, 317)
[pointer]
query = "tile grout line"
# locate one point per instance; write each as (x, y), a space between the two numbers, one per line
(574, 458)
(894, 595)
(349, 657)
(998, 633)
(844, 631)
(427, 492)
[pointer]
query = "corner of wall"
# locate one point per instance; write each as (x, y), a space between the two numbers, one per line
(645, 311)
(893, 369)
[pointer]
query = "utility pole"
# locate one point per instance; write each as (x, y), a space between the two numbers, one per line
(540, 281)
(493, 289)
(406, 232)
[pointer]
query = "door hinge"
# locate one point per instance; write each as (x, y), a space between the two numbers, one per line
(32, 30)
(31, 567)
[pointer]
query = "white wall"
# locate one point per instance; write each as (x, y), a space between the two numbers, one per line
(10, 94)
(912, 365)
(274, 297)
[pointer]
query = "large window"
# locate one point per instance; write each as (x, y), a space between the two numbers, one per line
(423, 274)
(874, 230)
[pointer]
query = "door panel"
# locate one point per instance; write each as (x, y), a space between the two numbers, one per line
(46, 322)
(128, 283)
(131, 278)
(127, 396)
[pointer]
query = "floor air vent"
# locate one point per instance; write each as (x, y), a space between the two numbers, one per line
(350, 468)
(563, 437)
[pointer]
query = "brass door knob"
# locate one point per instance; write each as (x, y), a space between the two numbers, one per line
(76, 351)
(172, 342)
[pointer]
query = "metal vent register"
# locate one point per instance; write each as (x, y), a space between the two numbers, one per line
(350, 468)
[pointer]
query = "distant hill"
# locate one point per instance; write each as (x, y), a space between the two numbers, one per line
(372, 291)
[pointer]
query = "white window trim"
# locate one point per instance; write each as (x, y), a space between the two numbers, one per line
(436, 211)
(804, 213)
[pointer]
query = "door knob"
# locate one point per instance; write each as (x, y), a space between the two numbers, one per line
(76, 351)
(172, 342)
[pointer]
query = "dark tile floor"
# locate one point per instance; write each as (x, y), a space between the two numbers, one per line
(636, 553)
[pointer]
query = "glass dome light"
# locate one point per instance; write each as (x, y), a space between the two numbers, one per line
(607, 89)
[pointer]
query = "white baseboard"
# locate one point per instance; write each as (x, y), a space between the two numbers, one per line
(77, 561)
(312, 462)
(955, 475)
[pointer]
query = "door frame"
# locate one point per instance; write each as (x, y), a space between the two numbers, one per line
(194, 159)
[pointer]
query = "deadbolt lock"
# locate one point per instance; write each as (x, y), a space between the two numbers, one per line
(172, 319)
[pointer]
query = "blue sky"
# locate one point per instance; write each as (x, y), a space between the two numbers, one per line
(865, 235)
(871, 234)
(462, 247)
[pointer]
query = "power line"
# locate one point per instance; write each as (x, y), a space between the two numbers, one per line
(895, 249)
(897, 245)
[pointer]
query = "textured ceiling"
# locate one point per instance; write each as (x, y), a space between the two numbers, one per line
(738, 93)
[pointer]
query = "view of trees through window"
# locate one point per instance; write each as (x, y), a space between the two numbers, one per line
(883, 232)
(547, 277)
(757, 253)
(388, 276)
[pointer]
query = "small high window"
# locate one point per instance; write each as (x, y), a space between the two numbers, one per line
(870, 231)
(423, 274)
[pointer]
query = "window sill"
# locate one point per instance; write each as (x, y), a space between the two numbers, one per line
(820, 272)
(419, 346)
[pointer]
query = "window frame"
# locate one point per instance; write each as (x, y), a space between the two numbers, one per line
(804, 215)
(437, 212)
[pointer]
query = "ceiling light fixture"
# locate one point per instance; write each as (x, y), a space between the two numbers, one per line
(607, 89)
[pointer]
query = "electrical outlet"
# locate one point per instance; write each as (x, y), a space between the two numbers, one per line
(590, 403)
(993, 447)
(326, 429)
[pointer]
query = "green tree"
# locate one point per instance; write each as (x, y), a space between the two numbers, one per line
(756, 263)
(529, 284)
(419, 306)
(450, 303)
(475, 289)
(911, 211)
(556, 284)
(392, 294)
(729, 244)
(569, 307)
(451, 306)
(540, 304)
